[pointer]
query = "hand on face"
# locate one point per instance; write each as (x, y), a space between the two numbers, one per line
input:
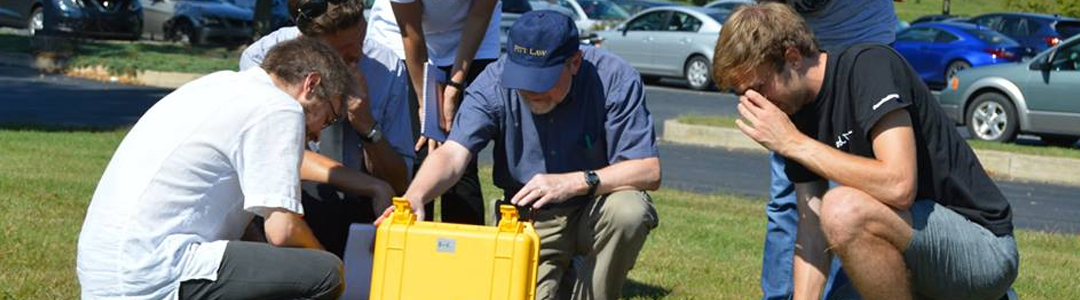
(768, 125)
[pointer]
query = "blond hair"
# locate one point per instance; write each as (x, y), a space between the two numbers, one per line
(757, 36)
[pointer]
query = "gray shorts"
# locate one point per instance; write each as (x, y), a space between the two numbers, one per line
(952, 258)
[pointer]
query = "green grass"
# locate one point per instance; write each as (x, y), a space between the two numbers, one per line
(129, 57)
(707, 246)
(909, 10)
(729, 122)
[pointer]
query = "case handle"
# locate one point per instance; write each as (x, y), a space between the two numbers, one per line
(402, 212)
(508, 222)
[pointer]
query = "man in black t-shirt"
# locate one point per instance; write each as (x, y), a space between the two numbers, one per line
(911, 195)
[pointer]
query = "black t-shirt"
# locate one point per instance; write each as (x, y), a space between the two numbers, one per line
(864, 83)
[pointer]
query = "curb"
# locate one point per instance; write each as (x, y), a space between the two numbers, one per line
(1000, 164)
(169, 80)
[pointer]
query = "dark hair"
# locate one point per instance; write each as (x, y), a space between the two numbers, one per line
(315, 18)
(757, 36)
(293, 60)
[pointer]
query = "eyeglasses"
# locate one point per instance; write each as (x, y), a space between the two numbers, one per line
(333, 120)
(314, 8)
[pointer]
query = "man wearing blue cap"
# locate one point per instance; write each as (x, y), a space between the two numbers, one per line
(573, 140)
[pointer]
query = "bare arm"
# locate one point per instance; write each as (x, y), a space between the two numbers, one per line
(318, 168)
(440, 171)
(889, 177)
(380, 159)
(811, 262)
(634, 174)
(409, 19)
(287, 229)
(472, 35)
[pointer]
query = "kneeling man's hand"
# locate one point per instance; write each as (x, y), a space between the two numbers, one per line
(550, 188)
(768, 125)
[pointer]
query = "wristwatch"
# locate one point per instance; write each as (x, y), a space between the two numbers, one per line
(459, 85)
(373, 136)
(593, 181)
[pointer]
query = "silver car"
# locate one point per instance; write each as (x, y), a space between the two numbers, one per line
(1039, 96)
(671, 41)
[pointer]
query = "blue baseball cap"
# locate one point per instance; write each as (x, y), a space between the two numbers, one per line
(538, 45)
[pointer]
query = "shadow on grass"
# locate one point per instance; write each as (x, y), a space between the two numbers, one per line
(633, 289)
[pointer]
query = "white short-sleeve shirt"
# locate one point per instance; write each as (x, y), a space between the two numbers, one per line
(186, 179)
(443, 21)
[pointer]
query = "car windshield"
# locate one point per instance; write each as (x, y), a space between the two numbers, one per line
(603, 10)
(1068, 29)
(991, 37)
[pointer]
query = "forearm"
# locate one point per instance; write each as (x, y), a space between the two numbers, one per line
(384, 163)
(476, 24)
(811, 261)
(409, 20)
(287, 229)
(637, 174)
(874, 177)
(440, 171)
(318, 168)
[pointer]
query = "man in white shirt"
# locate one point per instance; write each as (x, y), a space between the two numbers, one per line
(365, 159)
(197, 167)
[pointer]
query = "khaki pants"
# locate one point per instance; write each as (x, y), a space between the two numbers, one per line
(607, 232)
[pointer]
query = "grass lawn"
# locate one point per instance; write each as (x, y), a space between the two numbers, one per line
(721, 121)
(128, 57)
(707, 246)
(909, 10)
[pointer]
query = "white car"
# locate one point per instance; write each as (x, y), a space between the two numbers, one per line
(670, 41)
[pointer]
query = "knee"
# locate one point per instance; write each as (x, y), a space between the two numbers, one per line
(629, 212)
(332, 285)
(843, 216)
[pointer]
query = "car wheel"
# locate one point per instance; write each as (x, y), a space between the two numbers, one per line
(36, 22)
(184, 33)
(992, 117)
(955, 67)
(697, 73)
(1059, 140)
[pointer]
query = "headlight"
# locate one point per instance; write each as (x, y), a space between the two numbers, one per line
(67, 5)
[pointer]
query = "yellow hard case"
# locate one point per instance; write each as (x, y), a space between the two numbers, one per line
(416, 260)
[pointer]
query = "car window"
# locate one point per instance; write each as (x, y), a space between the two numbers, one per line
(1067, 58)
(990, 37)
(1067, 28)
(602, 10)
(945, 36)
(925, 35)
(719, 16)
(1013, 26)
(566, 4)
(683, 22)
(653, 21)
(993, 22)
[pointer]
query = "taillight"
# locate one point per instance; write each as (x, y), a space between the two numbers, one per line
(1000, 53)
(1052, 41)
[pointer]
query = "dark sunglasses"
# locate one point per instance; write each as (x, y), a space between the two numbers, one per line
(314, 8)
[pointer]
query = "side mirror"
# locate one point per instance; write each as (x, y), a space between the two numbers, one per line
(624, 29)
(1040, 65)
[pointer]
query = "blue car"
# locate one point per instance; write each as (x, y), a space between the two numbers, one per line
(114, 19)
(1036, 31)
(937, 50)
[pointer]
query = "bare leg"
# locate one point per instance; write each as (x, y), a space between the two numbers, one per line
(870, 238)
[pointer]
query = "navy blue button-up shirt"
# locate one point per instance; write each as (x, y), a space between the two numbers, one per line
(602, 121)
